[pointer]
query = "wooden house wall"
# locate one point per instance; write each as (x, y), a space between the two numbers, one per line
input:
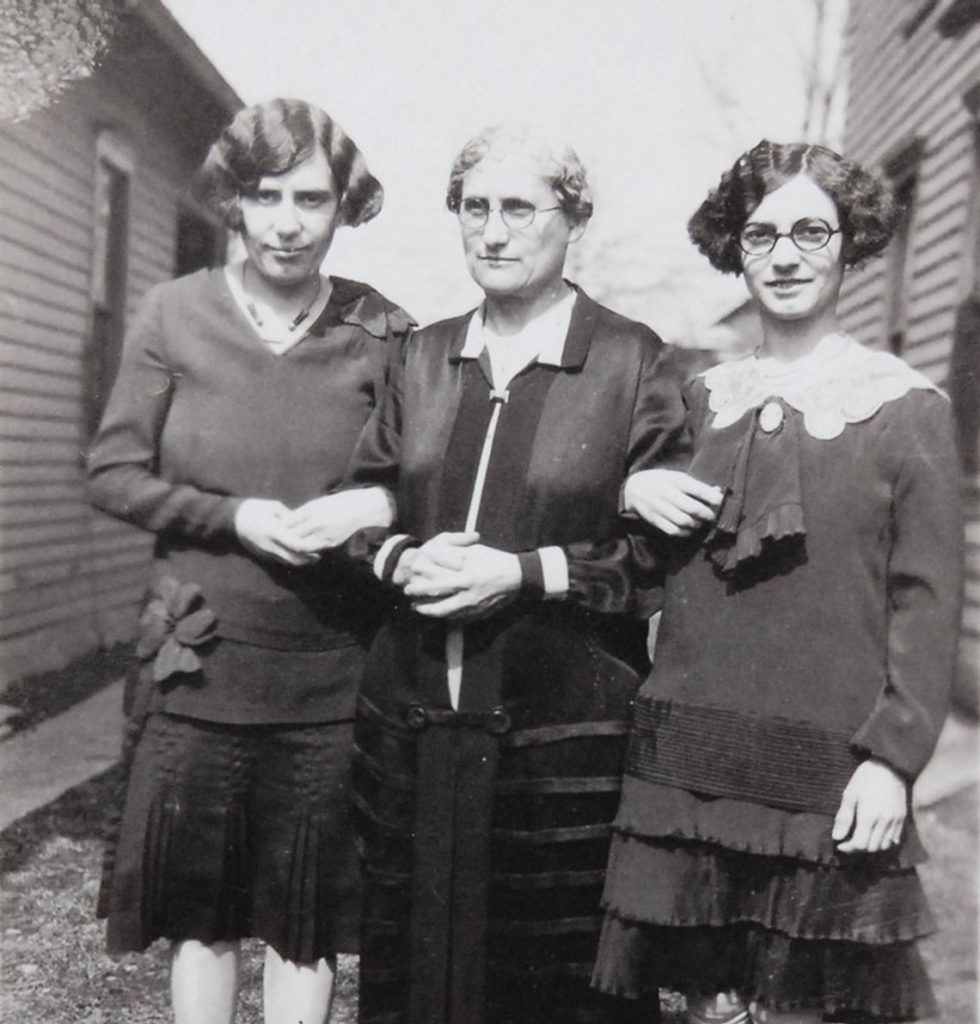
(70, 578)
(907, 86)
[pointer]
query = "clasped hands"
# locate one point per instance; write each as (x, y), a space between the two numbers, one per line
(454, 576)
(297, 536)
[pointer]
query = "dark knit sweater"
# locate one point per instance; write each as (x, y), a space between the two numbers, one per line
(203, 415)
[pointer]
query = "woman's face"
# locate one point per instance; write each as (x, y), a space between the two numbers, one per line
(515, 262)
(289, 220)
(791, 283)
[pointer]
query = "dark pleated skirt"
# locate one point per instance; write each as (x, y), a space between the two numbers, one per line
(792, 934)
(232, 831)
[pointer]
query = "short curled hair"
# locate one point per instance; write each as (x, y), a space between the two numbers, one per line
(273, 137)
(868, 212)
(560, 166)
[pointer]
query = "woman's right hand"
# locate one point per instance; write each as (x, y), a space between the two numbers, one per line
(675, 503)
(329, 521)
(261, 527)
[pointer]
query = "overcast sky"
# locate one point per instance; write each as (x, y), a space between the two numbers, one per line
(658, 96)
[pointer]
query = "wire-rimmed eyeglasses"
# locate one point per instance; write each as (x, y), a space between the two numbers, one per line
(515, 213)
(808, 235)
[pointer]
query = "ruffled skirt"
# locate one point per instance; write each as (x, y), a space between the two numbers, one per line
(233, 831)
(784, 920)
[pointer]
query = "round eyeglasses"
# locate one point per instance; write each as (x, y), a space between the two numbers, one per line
(515, 213)
(808, 235)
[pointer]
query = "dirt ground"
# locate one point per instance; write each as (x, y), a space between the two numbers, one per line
(54, 969)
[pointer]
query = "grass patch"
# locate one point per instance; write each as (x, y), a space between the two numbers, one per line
(54, 968)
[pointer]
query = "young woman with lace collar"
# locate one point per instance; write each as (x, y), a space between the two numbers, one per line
(764, 859)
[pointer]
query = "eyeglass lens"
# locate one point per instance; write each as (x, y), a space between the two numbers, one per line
(808, 234)
(515, 213)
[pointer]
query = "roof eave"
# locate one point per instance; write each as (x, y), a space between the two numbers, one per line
(163, 24)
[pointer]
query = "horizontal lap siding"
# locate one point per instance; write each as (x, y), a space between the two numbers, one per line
(64, 568)
(903, 89)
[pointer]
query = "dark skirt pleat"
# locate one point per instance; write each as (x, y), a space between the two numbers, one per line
(237, 831)
(136, 698)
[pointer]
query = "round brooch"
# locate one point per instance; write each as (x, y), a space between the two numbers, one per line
(771, 417)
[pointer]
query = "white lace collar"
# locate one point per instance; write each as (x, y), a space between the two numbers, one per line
(838, 383)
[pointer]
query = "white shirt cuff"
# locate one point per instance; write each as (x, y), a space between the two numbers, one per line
(554, 569)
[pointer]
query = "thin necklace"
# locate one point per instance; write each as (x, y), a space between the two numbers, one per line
(302, 315)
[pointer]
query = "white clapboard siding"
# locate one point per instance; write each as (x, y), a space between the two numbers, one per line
(904, 89)
(69, 575)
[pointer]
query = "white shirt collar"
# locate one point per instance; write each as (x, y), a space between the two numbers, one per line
(542, 340)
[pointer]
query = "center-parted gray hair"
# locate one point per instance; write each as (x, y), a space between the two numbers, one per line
(560, 166)
(273, 137)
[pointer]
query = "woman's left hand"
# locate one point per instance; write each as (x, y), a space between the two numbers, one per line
(329, 521)
(872, 810)
(454, 577)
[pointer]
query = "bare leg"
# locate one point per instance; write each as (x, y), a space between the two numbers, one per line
(296, 993)
(204, 982)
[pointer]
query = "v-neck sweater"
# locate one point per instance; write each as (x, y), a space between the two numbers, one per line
(203, 416)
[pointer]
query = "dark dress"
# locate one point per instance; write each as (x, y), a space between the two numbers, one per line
(486, 828)
(813, 628)
(236, 819)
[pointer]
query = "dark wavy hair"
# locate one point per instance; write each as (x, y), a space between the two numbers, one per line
(273, 137)
(561, 166)
(868, 212)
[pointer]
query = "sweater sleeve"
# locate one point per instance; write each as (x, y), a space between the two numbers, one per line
(622, 575)
(123, 463)
(924, 593)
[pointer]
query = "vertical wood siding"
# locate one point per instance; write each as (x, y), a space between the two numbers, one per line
(902, 89)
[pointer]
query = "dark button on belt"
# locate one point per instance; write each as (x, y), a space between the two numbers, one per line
(496, 722)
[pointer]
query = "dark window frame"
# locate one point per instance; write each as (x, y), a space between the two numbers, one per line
(109, 288)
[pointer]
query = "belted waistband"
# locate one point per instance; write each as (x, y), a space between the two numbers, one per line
(496, 721)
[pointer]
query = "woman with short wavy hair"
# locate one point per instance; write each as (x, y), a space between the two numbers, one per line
(241, 394)
(764, 856)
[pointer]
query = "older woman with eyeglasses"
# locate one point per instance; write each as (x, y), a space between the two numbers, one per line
(493, 709)
(764, 857)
